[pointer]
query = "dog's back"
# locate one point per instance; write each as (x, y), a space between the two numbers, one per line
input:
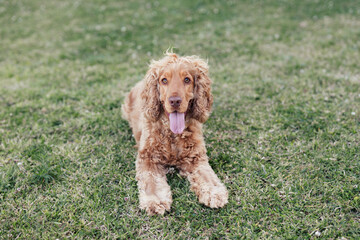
(132, 111)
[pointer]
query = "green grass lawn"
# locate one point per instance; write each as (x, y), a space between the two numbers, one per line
(283, 136)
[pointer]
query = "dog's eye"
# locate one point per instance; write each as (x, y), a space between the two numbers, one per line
(164, 81)
(187, 80)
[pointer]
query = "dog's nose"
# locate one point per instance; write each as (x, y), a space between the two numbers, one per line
(175, 101)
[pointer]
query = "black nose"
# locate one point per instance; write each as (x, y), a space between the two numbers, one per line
(175, 101)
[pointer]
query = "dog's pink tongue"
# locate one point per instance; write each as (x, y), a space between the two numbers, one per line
(177, 122)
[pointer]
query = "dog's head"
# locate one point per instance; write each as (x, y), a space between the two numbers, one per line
(178, 87)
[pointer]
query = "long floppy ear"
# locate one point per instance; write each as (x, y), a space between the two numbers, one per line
(201, 104)
(150, 95)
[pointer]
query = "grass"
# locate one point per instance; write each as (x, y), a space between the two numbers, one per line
(283, 135)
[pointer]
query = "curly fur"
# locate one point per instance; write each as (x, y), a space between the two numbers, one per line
(158, 147)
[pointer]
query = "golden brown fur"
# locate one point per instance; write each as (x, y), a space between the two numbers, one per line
(147, 109)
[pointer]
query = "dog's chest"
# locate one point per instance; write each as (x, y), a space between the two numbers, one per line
(179, 148)
(174, 150)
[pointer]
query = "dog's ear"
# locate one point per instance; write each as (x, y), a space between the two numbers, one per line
(201, 104)
(151, 96)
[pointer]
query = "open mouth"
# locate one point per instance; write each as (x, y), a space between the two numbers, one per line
(177, 122)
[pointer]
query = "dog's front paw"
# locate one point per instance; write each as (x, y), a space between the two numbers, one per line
(214, 197)
(153, 205)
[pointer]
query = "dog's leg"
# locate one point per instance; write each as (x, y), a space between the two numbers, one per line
(204, 182)
(154, 191)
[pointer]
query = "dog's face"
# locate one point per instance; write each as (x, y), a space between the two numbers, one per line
(176, 87)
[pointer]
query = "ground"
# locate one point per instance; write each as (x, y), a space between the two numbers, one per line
(283, 135)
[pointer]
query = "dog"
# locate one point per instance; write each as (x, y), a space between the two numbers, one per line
(166, 111)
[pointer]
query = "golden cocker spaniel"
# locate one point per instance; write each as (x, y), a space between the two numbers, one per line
(166, 111)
